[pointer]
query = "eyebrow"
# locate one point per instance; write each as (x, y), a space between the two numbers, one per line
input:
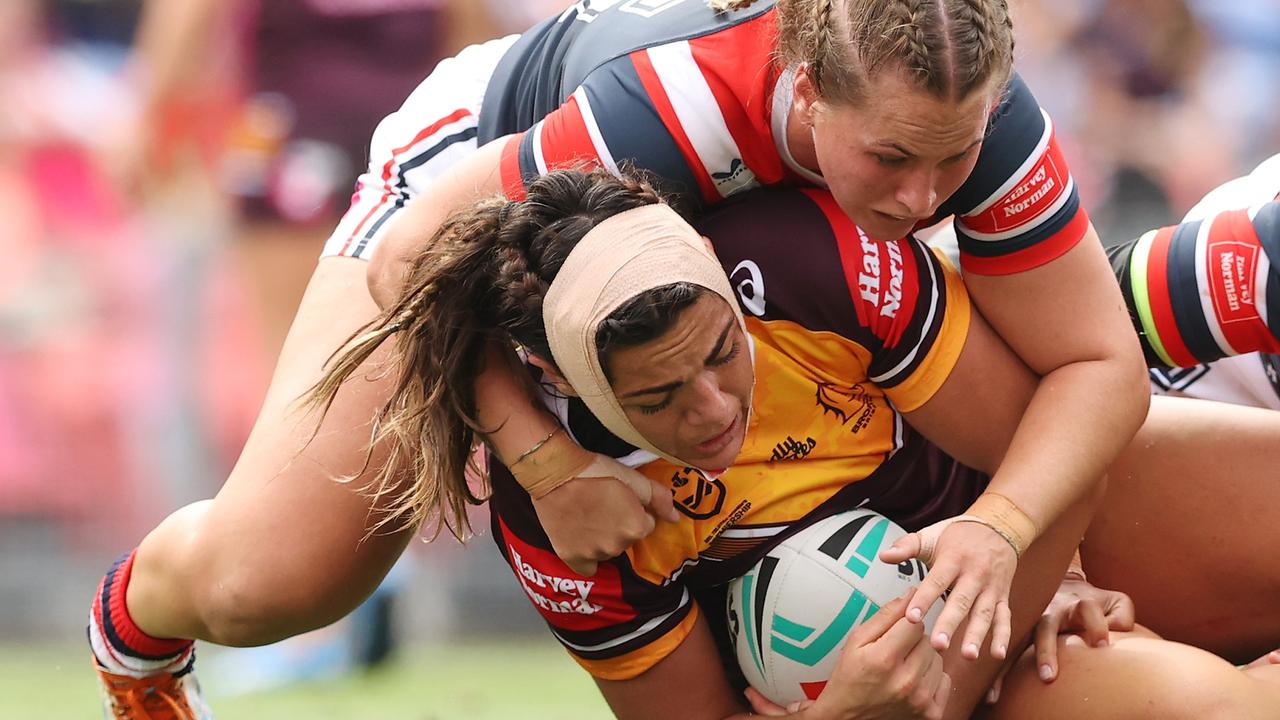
(908, 153)
(724, 335)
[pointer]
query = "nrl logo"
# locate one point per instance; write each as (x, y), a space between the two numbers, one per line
(697, 495)
(847, 404)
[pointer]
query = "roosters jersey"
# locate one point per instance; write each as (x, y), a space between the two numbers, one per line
(1220, 264)
(697, 98)
(847, 333)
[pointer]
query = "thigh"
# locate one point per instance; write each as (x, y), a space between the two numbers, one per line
(1188, 527)
(1138, 676)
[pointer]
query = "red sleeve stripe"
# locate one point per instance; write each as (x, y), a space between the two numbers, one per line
(702, 118)
(848, 243)
(512, 181)
(658, 95)
(1234, 256)
(1034, 256)
(563, 139)
(744, 97)
(389, 169)
(595, 139)
(1162, 313)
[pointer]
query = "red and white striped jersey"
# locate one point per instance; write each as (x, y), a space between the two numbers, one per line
(697, 98)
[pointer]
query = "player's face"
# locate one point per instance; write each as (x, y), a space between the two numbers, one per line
(891, 160)
(688, 391)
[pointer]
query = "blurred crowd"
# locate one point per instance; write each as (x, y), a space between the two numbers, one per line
(169, 171)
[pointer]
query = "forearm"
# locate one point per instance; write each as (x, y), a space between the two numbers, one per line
(173, 45)
(505, 408)
(1080, 417)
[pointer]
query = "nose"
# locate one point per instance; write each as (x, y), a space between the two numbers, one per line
(918, 193)
(709, 406)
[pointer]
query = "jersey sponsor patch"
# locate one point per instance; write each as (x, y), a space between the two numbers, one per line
(566, 599)
(1038, 191)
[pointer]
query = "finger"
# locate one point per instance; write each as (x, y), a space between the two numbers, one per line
(662, 503)
(980, 618)
(762, 705)
(1120, 616)
(1093, 622)
(799, 706)
(1047, 647)
(900, 640)
(954, 611)
(930, 589)
(993, 695)
(582, 566)
(940, 700)
(878, 624)
(905, 548)
(1001, 631)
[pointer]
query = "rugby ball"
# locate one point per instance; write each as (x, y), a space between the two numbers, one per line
(789, 615)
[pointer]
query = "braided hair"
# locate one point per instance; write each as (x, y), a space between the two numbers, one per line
(481, 281)
(948, 47)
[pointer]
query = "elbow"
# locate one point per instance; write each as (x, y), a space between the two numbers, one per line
(381, 277)
(1131, 389)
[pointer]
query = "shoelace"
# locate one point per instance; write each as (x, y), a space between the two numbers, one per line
(139, 698)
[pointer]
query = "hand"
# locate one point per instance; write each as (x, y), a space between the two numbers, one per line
(977, 565)
(605, 509)
(887, 670)
(1083, 609)
(1079, 608)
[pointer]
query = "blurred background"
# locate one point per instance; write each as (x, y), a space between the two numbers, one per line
(166, 192)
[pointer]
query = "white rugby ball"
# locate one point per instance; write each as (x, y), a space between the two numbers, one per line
(790, 614)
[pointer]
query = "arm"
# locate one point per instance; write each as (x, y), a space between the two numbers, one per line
(1067, 321)
(886, 670)
(610, 506)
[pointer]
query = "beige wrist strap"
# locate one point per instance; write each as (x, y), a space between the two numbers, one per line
(553, 462)
(1004, 517)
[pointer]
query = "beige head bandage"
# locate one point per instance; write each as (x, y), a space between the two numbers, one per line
(622, 257)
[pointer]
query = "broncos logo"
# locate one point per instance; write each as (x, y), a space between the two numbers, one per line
(846, 403)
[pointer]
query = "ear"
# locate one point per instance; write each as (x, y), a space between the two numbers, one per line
(805, 98)
(551, 374)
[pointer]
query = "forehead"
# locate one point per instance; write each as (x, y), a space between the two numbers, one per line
(897, 110)
(684, 345)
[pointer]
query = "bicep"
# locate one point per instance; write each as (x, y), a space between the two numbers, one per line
(974, 413)
(689, 683)
(1066, 311)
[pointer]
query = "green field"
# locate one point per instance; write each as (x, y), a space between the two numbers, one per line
(532, 681)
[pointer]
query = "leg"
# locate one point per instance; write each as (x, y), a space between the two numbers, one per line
(1039, 573)
(281, 549)
(1139, 676)
(1188, 527)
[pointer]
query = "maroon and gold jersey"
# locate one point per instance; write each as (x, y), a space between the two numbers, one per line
(846, 334)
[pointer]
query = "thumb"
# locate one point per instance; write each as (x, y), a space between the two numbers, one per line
(905, 548)
(662, 503)
(874, 627)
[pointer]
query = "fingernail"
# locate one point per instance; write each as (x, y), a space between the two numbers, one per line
(1046, 673)
(1003, 650)
(991, 696)
(1102, 643)
(914, 614)
(971, 650)
(945, 639)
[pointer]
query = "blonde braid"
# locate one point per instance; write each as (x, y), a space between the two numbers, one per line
(730, 5)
